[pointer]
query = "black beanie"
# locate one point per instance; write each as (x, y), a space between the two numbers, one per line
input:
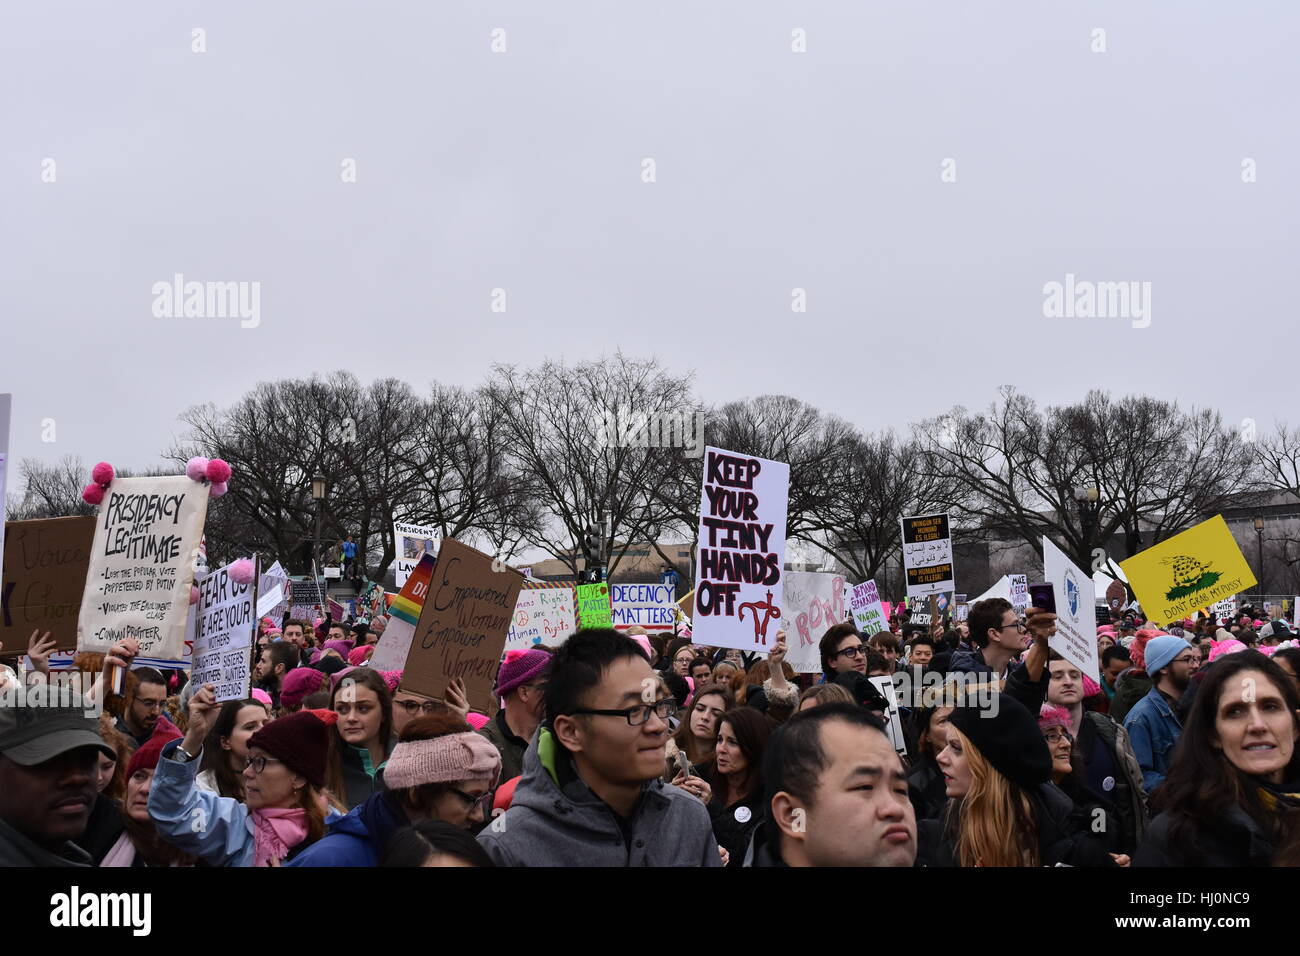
(1008, 738)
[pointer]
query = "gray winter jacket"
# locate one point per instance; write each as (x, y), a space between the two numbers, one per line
(555, 820)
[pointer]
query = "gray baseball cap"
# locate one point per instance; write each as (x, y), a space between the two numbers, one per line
(33, 735)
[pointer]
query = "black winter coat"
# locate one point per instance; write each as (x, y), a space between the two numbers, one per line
(1232, 839)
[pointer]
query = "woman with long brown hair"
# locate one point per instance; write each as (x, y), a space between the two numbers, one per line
(697, 734)
(1003, 809)
(736, 777)
(225, 751)
(363, 734)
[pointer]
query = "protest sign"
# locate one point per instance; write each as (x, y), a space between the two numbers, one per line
(961, 612)
(593, 605)
(223, 639)
(268, 602)
(868, 613)
(927, 554)
(45, 565)
(811, 602)
(542, 616)
(893, 723)
(741, 550)
(649, 605)
(463, 625)
(1019, 591)
(404, 613)
(1076, 611)
(307, 593)
(411, 542)
(142, 564)
(1193, 569)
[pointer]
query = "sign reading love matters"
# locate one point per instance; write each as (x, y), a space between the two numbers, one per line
(738, 577)
(593, 605)
(463, 624)
(142, 565)
(223, 635)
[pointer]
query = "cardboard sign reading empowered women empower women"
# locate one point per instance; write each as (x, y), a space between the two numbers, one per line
(463, 625)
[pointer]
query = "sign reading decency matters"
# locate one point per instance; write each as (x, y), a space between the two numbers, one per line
(142, 565)
(463, 624)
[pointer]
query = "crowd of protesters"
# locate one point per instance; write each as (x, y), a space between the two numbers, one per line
(621, 748)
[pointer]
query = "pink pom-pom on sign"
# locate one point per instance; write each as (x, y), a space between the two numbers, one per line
(102, 473)
(196, 469)
(218, 471)
(241, 571)
(194, 594)
(217, 489)
(92, 494)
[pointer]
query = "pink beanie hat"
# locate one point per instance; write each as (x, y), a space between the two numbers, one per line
(1090, 686)
(261, 696)
(358, 655)
(1053, 716)
(1219, 648)
(344, 648)
(644, 643)
(476, 720)
(392, 679)
(519, 668)
(447, 759)
(298, 684)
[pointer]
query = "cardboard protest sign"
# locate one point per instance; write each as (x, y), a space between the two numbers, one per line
(45, 564)
(649, 605)
(1076, 611)
(1198, 567)
(1019, 591)
(593, 605)
(463, 625)
(1116, 595)
(142, 564)
(812, 601)
(927, 554)
(739, 573)
(404, 613)
(542, 616)
(411, 542)
(225, 624)
(868, 612)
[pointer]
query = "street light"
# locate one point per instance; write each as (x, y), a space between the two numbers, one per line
(318, 495)
(1259, 535)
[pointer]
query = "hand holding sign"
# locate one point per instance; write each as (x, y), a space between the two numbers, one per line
(38, 651)
(1041, 624)
(778, 651)
(203, 714)
(456, 698)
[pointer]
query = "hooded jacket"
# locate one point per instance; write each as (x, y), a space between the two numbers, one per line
(556, 820)
(358, 838)
(1028, 692)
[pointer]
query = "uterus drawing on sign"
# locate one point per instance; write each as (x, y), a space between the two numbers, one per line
(770, 611)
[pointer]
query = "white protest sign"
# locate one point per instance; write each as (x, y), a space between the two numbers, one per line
(868, 612)
(1076, 611)
(542, 616)
(927, 554)
(738, 583)
(650, 605)
(411, 542)
(403, 614)
(1019, 591)
(893, 723)
(812, 602)
(224, 635)
(1224, 608)
(268, 602)
(142, 565)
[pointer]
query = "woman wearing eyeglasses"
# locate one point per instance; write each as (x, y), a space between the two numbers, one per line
(285, 808)
(439, 770)
(225, 751)
(1090, 809)
(1002, 807)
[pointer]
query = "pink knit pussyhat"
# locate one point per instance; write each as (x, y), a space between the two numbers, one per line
(1049, 716)
(451, 758)
(1219, 648)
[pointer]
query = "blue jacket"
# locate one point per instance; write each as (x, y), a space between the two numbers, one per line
(1153, 729)
(358, 838)
(218, 830)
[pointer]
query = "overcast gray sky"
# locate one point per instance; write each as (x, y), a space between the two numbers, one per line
(522, 170)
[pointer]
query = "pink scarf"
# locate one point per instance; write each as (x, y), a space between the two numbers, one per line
(276, 832)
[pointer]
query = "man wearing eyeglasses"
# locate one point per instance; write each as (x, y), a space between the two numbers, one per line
(1153, 725)
(144, 705)
(999, 637)
(591, 793)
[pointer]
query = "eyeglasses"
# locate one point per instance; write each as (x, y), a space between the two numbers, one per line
(638, 715)
(259, 763)
(1186, 659)
(1056, 736)
(413, 707)
(1019, 626)
(857, 650)
(483, 802)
